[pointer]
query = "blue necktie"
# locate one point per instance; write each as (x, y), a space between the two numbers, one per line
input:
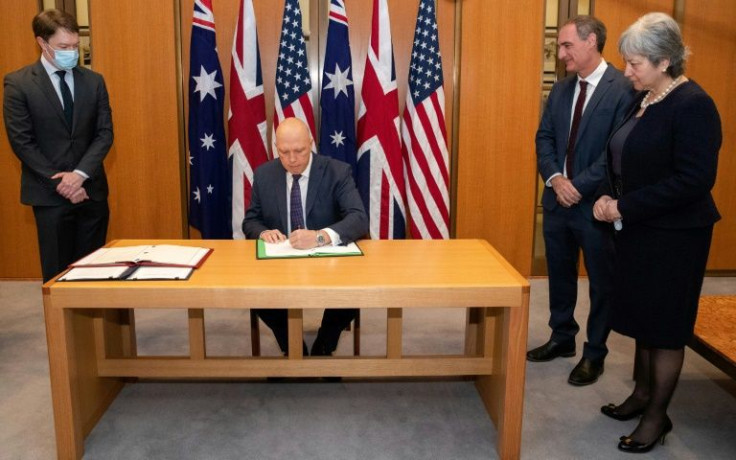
(297, 214)
(66, 97)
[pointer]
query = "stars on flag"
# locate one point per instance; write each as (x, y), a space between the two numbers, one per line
(208, 141)
(337, 139)
(339, 81)
(425, 75)
(206, 84)
(292, 76)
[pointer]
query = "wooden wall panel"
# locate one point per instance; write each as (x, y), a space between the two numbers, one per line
(18, 243)
(134, 47)
(500, 86)
(711, 35)
(618, 15)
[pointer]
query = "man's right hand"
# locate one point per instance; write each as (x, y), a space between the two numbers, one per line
(567, 194)
(272, 236)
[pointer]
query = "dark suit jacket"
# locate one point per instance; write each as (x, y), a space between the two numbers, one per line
(606, 107)
(40, 137)
(332, 200)
(669, 162)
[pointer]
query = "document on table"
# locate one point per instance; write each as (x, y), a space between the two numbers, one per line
(284, 250)
(161, 273)
(159, 255)
(96, 273)
(126, 273)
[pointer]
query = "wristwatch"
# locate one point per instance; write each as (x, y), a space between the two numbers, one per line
(321, 239)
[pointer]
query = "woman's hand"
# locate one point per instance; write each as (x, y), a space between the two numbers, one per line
(606, 209)
(599, 208)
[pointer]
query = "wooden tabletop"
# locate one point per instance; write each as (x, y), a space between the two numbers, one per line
(460, 273)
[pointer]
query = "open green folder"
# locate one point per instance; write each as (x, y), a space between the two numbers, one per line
(284, 250)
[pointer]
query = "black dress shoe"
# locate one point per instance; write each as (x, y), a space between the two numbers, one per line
(586, 372)
(630, 446)
(319, 348)
(550, 351)
(611, 410)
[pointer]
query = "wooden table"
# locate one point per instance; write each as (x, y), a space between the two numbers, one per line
(91, 329)
(714, 337)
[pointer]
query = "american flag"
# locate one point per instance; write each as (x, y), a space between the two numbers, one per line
(380, 166)
(293, 85)
(209, 197)
(424, 134)
(337, 130)
(247, 117)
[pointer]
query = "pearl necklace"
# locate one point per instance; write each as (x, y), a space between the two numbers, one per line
(645, 102)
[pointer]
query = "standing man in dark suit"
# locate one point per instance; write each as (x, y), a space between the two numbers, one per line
(581, 112)
(314, 201)
(58, 120)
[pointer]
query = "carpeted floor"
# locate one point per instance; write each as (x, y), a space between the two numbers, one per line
(400, 419)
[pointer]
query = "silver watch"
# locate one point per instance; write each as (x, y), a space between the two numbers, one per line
(321, 239)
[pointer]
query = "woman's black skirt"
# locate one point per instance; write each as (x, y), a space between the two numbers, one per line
(659, 273)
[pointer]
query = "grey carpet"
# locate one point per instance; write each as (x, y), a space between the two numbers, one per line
(413, 419)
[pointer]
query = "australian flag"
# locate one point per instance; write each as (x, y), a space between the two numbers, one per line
(337, 132)
(209, 177)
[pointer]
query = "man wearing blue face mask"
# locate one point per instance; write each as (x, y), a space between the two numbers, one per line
(59, 124)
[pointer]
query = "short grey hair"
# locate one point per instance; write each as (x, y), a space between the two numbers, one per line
(586, 25)
(657, 37)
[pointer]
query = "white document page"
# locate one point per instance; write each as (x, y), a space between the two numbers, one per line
(284, 249)
(161, 273)
(107, 256)
(169, 254)
(94, 273)
(164, 254)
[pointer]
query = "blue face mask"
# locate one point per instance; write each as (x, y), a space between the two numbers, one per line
(65, 59)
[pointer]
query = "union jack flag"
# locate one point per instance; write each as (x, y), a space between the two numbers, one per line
(380, 166)
(337, 130)
(247, 117)
(424, 134)
(209, 197)
(293, 84)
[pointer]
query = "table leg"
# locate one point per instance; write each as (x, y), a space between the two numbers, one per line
(79, 396)
(296, 335)
(503, 391)
(394, 328)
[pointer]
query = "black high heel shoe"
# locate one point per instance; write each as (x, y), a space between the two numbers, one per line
(611, 410)
(633, 447)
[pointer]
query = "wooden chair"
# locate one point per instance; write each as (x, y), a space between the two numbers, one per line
(255, 334)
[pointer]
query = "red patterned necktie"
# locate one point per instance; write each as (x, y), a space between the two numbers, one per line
(570, 159)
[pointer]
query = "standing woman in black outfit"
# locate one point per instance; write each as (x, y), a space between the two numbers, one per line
(661, 165)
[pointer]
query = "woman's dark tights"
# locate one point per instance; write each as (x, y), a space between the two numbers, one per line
(657, 371)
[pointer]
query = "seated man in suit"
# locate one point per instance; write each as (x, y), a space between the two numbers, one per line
(313, 200)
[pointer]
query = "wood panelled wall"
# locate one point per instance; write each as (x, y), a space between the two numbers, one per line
(500, 98)
(135, 46)
(617, 15)
(710, 32)
(18, 243)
